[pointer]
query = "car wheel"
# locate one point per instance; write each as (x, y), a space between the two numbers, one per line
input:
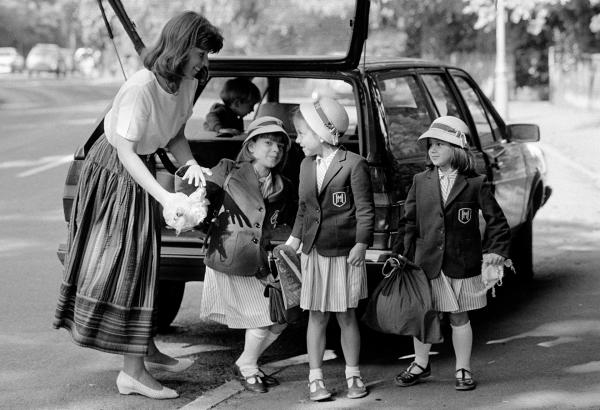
(168, 301)
(522, 249)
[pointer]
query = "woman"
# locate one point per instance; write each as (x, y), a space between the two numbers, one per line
(108, 293)
(255, 200)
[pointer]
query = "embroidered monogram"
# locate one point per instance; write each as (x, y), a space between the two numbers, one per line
(464, 215)
(274, 218)
(339, 199)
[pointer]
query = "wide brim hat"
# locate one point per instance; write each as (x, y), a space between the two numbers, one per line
(448, 129)
(327, 118)
(266, 125)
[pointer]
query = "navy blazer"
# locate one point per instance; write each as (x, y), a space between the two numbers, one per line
(342, 213)
(446, 237)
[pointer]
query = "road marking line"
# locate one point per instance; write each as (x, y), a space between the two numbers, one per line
(49, 165)
(186, 349)
(593, 176)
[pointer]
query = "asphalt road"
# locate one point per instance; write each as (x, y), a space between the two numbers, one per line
(552, 362)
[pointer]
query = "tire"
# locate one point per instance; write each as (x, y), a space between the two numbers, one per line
(168, 301)
(522, 250)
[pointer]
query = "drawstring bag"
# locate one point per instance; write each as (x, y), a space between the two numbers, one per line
(401, 304)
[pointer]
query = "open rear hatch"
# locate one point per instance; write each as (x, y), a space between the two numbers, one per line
(263, 34)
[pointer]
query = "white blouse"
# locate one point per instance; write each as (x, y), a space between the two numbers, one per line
(144, 112)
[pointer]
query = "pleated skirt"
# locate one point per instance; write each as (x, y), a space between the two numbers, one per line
(107, 295)
(458, 295)
(235, 301)
(330, 284)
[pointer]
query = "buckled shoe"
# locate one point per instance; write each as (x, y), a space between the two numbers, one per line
(317, 390)
(406, 378)
(464, 380)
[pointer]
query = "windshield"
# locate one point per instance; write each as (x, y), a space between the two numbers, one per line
(259, 28)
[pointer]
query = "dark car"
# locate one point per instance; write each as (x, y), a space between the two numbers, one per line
(390, 103)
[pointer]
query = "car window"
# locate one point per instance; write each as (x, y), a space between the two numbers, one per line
(208, 98)
(443, 98)
(406, 114)
(487, 128)
(293, 91)
(444, 101)
(259, 28)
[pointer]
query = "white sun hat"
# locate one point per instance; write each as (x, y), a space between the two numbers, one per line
(449, 129)
(266, 125)
(327, 118)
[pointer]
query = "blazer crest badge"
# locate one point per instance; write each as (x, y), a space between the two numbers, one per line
(339, 199)
(465, 215)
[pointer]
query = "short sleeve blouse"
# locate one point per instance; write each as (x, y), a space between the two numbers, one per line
(144, 112)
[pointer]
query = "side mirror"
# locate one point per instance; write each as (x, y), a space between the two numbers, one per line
(523, 132)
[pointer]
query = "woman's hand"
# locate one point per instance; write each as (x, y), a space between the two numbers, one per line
(493, 259)
(195, 175)
(293, 242)
(357, 254)
(174, 206)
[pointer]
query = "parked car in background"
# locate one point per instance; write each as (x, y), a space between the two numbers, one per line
(69, 60)
(11, 61)
(390, 102)
(45, 58)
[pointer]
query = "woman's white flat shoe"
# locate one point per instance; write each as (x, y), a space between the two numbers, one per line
(181, 365)
(128, 385)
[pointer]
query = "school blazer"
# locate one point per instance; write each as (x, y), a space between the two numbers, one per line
(239, 236)
(447, 237)
(342, 213)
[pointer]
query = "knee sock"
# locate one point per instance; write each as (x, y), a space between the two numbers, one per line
(248, 360)
(421, 355)
(274, 331)
(315, 374)
(462, 340)
(353, 371)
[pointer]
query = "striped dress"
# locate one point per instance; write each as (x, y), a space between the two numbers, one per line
(107, 295)
(237, 301)
(330, 284)
(451, 294)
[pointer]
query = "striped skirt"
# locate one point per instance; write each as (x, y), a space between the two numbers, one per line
(458, 295)
(106, 299)
(235, 301)
(330, 284)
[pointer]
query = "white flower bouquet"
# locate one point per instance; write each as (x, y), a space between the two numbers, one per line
(186, 212)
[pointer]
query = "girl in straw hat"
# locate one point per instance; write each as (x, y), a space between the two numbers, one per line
(442, 234)
(335, 226)
(256, 198)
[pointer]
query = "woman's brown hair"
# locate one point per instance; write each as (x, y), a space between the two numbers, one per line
(178, 37)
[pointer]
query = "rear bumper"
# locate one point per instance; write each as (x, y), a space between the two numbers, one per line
(183, 261)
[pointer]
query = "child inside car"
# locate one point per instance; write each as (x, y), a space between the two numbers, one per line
(239, 95)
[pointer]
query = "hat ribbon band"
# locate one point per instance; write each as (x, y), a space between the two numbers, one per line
(459, 134)
(330, 127)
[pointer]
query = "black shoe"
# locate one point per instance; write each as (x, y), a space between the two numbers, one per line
(267, 379)
(464, 383)
(406, 378)
(252, 383)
